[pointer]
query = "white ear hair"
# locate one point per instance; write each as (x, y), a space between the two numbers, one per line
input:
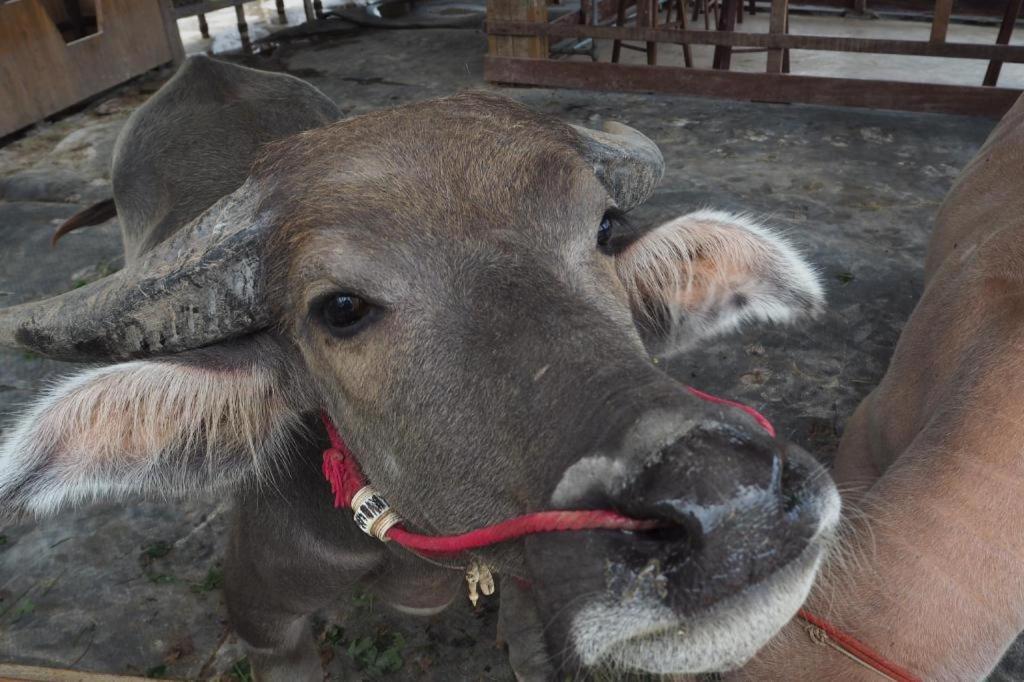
(708, 272)
(163, 427)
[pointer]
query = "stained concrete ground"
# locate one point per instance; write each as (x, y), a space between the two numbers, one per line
(135, 588)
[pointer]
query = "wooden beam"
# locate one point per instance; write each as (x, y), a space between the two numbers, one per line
(1005, 31)
(1006, 53)
(204, 7)
(517, 10)
(31, 673)
(940, 20)
(761, 87)
(777, 26)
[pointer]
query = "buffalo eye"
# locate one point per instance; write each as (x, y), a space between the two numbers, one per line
(615, 232)
(344, 314)
(604, 231)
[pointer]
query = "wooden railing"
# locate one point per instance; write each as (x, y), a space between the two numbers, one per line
(532, 65)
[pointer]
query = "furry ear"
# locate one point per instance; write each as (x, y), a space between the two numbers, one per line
(708, 272)
(200, 420)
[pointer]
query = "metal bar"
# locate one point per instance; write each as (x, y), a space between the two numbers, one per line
(1006, 53)
(764, 87)
(1005, 31)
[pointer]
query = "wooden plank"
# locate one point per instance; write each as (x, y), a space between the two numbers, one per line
(1006, 53)
(517, 10)
(940, 21)
(132, 39)
(1005, 31)
(763, 87)
(31, 673)
(777, 26)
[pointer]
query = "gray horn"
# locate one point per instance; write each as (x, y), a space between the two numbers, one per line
(202, 285)
(626, 161)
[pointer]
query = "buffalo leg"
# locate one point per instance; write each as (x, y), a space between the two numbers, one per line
(277, 573)
(521, 629)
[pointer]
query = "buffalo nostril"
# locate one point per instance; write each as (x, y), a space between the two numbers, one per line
(678, 528)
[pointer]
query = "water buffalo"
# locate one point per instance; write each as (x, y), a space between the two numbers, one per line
(454, 282)
(931, 459)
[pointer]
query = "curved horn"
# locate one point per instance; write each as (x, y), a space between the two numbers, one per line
(204, 284)
(626, 161)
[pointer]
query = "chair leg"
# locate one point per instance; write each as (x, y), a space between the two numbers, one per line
(204, 28)
(681, 11)
(243, 28)
(651, 21)
(281, 14)
(620, 19)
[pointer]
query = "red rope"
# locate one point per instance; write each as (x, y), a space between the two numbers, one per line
(342, 471)
(859, 649)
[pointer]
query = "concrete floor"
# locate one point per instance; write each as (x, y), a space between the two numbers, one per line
(136, 588)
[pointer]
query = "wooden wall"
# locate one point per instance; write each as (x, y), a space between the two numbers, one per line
(40, 74)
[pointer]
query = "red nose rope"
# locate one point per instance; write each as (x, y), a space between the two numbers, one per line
(375, 517)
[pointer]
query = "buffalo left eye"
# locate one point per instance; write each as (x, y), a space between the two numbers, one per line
(604, 232)
(344, 314)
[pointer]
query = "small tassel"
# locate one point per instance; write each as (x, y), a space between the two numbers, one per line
(335, 473)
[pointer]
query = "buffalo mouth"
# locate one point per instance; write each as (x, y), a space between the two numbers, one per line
(653, 602)
(652, 638)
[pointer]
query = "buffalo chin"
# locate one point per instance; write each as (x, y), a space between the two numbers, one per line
(647, 636)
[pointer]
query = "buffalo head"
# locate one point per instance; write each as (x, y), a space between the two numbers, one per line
(457, 284)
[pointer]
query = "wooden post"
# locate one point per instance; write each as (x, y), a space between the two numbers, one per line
(1005, 31)
(204, 28)
(533, 11)
(777, 24)
(171, 31)
(940, 20)
(647, 16)
(726, 22)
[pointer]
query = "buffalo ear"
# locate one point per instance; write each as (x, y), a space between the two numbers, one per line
(197, 421)
(707, 273)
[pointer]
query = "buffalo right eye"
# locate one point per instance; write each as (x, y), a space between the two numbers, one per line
(344, 314)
